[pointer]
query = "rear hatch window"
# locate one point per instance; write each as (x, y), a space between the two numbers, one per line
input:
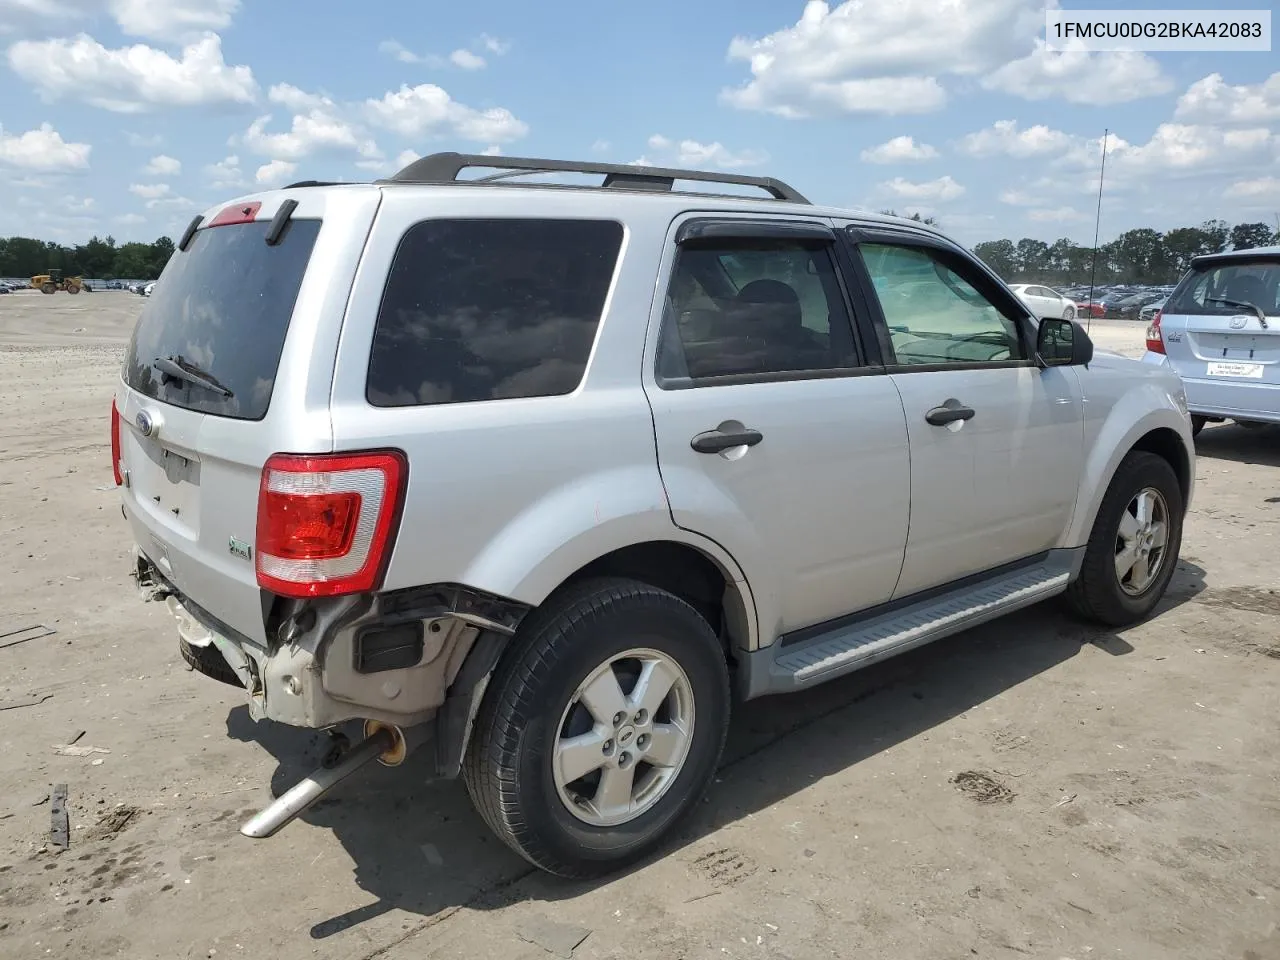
(1222, 289)
(211, 335)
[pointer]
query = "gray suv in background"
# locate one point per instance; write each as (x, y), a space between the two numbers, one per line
(543, 476)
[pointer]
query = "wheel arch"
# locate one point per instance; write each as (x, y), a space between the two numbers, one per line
(1164, 431)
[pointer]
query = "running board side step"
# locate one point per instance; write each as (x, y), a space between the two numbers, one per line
(848, 646)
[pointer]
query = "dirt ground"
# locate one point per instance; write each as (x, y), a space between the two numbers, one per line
(1028, 789)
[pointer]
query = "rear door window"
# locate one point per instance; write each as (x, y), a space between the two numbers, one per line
(754, 308)
(491, 309)
(220, 313)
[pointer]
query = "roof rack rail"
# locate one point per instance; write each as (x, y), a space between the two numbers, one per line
(445, 167)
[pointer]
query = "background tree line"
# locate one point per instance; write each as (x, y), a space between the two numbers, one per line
(99, 259)
(1141, 256)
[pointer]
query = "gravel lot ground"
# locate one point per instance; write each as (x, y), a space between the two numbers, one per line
(1028, 789)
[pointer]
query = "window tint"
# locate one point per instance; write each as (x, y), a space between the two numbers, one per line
(1256, 283)
(753, 307)
(935, 315)
(221, 310)
(489, 309)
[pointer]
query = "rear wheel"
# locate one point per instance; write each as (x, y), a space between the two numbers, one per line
(1133, 549)
(48, 287)
(601, 729)
(72, 288)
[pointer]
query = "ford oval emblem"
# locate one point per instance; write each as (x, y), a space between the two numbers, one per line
(145, 424)
(1237, 323)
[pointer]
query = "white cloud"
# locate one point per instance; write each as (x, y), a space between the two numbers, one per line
(1077, 76)
(42, 149)
(163, 166)
(1262, 189)
(899, 150)
(695, 154)
(275, 172)
(406, 157)
(131, 219)
(225, 173)
(1004, 138)
(160, 203)
(692, 153)
(1055, 215)
(149, 141)
(462, 58)
(427, 110)
(131, 79)
(943, 188)
(467, 60)
(397, 50)
(317, 130)
(879, 57)
(1214, 101)
(289, 96)
(493, 150)
(149, 191)
(1177, 148)
(172, 20)
(1018, 198)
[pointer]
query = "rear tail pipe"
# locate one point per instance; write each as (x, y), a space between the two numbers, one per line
(382, 742)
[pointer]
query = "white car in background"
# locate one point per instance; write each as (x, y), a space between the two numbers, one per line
(1045, 302)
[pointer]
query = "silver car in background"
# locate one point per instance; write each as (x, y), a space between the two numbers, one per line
(1220, 330)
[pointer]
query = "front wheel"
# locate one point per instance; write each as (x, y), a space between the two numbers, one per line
(601, 729)
(49, 288)
(1133, 548)
(1069, 313)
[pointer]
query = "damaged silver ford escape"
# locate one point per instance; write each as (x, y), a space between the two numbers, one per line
(541, 475)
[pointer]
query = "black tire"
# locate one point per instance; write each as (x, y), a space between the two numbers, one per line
(1097, 594)
(508, 766)
(1197, 424)
(210, 662)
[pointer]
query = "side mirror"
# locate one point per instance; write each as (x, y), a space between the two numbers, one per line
(1062, 343)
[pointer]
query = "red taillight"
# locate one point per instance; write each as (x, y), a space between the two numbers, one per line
(1155, 340)
(326, 523)
(115, 443)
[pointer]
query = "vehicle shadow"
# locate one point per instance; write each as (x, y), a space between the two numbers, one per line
(1230, 441)
(418, 846)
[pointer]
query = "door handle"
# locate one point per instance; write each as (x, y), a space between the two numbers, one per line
(715, 441)
(950, 411)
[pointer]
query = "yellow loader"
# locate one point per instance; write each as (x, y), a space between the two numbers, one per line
(53, 281)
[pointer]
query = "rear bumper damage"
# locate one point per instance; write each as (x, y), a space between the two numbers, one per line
(412, 659)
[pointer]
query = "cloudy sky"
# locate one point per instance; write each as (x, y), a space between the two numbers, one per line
(127, 116)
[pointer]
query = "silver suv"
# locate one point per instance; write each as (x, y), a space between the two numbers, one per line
(546, 475)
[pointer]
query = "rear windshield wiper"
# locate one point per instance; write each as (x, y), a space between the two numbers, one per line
(1242, 305)
(176, 368)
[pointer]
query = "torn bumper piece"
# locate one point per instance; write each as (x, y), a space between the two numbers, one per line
(397, 658)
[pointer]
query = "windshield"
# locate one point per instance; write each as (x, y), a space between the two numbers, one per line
(1254, 282)
(210, 337)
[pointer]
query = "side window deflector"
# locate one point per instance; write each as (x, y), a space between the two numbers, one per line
(712, 230)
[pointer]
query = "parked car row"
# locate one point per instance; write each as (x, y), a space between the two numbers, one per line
(1120, 302)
